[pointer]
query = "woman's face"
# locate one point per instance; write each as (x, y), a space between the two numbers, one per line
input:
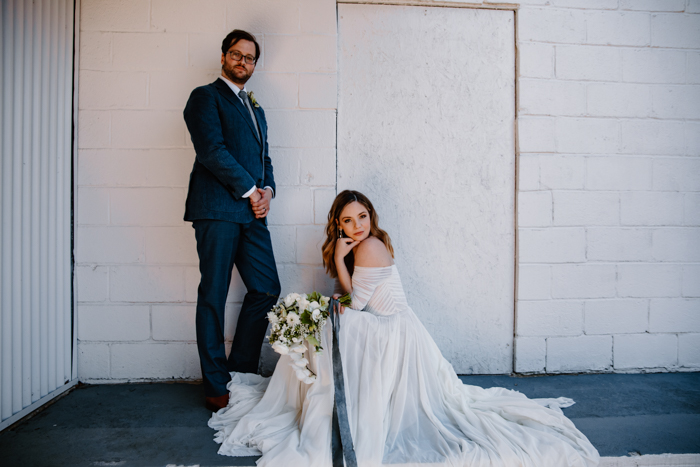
(354, 220)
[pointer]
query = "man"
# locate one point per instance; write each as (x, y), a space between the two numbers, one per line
(229, 195)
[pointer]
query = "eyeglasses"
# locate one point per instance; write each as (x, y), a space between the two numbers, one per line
(236, 55)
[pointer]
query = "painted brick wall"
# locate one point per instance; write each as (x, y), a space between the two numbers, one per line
(609, 176)
(137, 270)
(608, 202)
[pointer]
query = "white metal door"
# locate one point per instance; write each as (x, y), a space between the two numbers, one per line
(36, 97)
(426, 113)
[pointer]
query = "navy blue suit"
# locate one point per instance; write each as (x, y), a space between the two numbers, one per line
(230, 159)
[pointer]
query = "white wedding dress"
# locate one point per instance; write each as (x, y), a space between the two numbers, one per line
(405, 403)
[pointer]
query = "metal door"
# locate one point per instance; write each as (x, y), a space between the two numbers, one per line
(37, 342)
(426, 114)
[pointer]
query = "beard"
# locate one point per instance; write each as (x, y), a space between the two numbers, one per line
(236, 73)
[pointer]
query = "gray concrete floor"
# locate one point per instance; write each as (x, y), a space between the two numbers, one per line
(159, 424)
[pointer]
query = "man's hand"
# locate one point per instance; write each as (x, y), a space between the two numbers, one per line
(260, 202)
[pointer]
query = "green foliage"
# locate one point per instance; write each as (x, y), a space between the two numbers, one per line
(345, 300)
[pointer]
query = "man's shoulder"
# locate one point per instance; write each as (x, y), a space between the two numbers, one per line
(206, 95)
(202, 98)
(205, 89)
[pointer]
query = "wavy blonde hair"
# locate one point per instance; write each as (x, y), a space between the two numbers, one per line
(333, 228)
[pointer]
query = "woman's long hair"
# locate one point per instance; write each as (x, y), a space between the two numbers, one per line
(333, 228)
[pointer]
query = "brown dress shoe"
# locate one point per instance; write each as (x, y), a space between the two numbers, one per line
(216, 403)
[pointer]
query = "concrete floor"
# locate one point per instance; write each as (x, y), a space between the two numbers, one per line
(160, 424)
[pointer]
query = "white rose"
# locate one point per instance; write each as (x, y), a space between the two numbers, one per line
(316, 314)
(303, 304)
(289, 300)
(292, 319)
(314, 305)
(280, 348)
(299, 348)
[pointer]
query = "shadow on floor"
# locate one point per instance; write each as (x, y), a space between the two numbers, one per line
(159, 424)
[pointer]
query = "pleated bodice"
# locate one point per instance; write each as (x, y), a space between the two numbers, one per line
(378, 290)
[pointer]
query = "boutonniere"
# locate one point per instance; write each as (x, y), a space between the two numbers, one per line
(251, 96)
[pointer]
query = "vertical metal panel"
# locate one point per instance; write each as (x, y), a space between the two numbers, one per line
(72, 204)
(37, 355)
(7, 32)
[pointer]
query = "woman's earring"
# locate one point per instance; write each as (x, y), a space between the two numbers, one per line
(340, 233)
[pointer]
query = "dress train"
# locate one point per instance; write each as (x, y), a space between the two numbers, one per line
(406, 405)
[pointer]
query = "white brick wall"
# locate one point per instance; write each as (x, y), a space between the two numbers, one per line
(137, 267)
(634, 351)
(608, 127)
(579, 353)
(608, 178)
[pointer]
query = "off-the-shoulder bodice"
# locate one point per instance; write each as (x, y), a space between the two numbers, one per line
(378, 290)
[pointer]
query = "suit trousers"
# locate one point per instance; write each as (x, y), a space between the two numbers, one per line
(221, 245)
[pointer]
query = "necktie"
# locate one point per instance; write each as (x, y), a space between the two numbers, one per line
(244, 98)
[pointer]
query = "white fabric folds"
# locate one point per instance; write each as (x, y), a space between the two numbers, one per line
(406, 405)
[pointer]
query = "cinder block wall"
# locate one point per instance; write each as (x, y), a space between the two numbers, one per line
(137, 267)
(608, 202)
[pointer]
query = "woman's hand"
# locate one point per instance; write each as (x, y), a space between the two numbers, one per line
(343, 246)
(336, 296)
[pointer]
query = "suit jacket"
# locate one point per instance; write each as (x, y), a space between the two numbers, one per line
(230, 159)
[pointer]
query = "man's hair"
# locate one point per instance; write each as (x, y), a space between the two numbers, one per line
(237, 35)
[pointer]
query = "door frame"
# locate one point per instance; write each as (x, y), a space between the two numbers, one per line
(483, 6)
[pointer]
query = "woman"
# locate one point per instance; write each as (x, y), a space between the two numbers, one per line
(405, 403)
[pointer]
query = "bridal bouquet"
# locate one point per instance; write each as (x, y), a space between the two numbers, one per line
(296, 319)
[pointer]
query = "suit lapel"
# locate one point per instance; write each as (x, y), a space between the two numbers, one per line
(263, 131)
(225, 91)
(263, 134)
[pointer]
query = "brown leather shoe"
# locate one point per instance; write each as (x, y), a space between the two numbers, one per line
(216, 403)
